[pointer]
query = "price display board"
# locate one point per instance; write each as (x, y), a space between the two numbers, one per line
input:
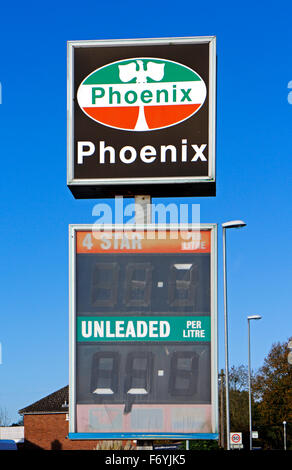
(143, 332)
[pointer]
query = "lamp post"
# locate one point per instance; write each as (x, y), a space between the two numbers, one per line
(251, 317)
(226, 225)
(285, 441)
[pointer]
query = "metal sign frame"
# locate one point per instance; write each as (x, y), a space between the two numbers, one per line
(155, 185)
(73, 434)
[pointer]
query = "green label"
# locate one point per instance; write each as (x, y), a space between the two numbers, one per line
(182, 328)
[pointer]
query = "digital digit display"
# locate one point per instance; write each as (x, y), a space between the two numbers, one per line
(144, 334)
(143, 283)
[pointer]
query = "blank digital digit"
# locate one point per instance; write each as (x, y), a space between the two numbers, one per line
(138, 373)
(104, 373)
(138, 380)
(183, 373)
(138, 284)
(104, 284)
(182, 284)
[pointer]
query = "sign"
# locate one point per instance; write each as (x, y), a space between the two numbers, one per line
(236, 438)
(143, 332)
(141, 117)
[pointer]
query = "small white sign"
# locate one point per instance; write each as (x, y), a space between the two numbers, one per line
(235, 438)
(255, 435)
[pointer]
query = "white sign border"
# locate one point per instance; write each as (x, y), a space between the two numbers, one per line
(73, 229)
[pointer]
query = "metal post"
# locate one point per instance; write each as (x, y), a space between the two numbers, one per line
(226, 344)
(222, 408)
(252, 317)
(249, 389)
(142, 210)
(285, 437)
(230, 224)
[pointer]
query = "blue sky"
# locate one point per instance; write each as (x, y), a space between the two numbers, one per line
(254, 166)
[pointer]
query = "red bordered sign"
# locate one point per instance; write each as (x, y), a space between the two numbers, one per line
(236, 438)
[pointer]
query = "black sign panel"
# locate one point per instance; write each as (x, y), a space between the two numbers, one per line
(131, 285)
(126, 374)
(141, 117)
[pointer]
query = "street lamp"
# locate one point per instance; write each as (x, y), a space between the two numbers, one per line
(226, 225)
(251, 317)
(285, 442)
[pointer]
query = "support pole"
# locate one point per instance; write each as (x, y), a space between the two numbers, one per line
(226, 344)
(222, 408)
(143, 210)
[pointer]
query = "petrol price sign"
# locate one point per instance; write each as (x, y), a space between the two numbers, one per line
(143, 332)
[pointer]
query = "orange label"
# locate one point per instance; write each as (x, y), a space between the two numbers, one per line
(143, 242)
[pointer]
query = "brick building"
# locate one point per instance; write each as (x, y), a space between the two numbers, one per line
(46, 424)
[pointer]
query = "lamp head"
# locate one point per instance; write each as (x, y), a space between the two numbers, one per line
(254, 317)
(234, 224)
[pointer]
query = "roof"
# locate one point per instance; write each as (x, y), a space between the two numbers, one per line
(56, 402)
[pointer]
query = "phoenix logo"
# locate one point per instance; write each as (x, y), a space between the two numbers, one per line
(141, 94)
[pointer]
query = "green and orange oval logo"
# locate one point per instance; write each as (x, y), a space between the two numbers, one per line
(141, 94)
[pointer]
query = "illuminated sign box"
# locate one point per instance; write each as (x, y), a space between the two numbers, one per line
(142, 117)
(143, 332)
